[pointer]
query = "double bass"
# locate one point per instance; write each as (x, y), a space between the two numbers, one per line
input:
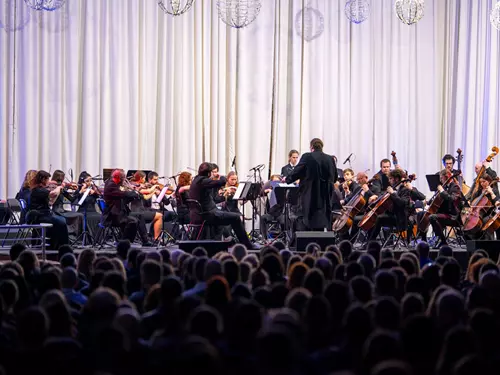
(350, 210)
(488, 159)
(463, 186)
(434, 204)
(380, 206)
(472, 218)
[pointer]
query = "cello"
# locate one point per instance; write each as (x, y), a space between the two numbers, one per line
(488, 159)
(343, 223)
(472, 218)
(435, 203)
(493, 223)
(380, 206)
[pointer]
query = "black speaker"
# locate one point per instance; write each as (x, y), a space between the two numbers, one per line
(492, 247)
(212, 247)
(323, 239)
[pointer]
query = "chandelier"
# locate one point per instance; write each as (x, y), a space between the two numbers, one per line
(49, 5)
(175, 7)
(238, 13)
(309, 23)
(357, 11)
(409, 11)
(495, 16)
(14, 16)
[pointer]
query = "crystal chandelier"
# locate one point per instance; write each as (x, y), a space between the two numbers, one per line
(14, 16)
(49, 5)
(409, 11)
(357, 11)
(309, 23)
(238, 13)
(495, 16)
(175, 7)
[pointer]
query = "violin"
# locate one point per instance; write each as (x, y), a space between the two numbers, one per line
(381, 205)
(434, 204)
(472, 217)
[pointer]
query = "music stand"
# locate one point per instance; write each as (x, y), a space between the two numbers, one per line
(85, 234)
(433, 181)
(286, 194)
(106, 173)
(248, 192)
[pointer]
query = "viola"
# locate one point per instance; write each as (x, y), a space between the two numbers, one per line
(380, 206)
(434, 204)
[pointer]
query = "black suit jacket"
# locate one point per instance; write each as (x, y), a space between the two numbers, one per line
(201, 190)
(317, 173)
(401, 207)
(287, 170)
(116, 202)
(380, 185)
(452, 197)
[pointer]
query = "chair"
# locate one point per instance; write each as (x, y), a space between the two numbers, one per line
(195, 230)
(105, 231)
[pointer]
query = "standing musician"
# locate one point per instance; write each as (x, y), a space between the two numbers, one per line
(201, 190)
(116, 213)
(181, 195)
(401, 202)
(448, 212)
(293, 158)
(381, 184)
(39, 210)
(317, 173)
(448, 163)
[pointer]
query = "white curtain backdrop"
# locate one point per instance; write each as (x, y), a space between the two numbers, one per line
(118, 83)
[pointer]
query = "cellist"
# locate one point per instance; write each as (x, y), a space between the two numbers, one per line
(401, 197)
(448, 212)
(493, 195)
(490, 172)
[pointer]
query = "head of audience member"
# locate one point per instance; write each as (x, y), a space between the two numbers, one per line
(16, 250)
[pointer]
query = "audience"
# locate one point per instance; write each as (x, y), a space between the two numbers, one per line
(340, 311)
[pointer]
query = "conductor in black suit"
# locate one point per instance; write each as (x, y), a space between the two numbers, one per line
(201, 190)
(293, 158)
(317, 173)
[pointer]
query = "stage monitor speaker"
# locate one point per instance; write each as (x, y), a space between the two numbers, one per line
(323, 239)
(212, 247)
(490, 246)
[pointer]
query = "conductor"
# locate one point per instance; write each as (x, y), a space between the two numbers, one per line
(317, 173)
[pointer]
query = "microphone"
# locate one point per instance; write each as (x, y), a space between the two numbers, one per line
(348, 159)
(234, 161)
(177, 175)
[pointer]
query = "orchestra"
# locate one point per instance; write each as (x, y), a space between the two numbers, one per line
(360, 208)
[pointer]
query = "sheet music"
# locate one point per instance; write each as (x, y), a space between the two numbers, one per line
(239, 190)
(85, 195)
(162, 194)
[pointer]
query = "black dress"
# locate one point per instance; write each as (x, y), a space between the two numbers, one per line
(182, 208)
(39, 212)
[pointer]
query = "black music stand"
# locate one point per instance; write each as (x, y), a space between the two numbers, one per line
(86, 236)
(106, 173)
(287, 195)
(248, 192)
(433, 181)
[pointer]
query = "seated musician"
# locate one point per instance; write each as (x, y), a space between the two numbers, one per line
(493, 195)
(85, 183)
(448, 212)
(274, 209)
(490, 172)
(181, 195)
(117, 212)
(215, 192)
(74, 220)
(39, 209)
(138, 206)
(201, 190)
(228, 191)
(380, 185)
(25, 192)
(349, 186)
(400, 197)
(152, 203)
(448, 163)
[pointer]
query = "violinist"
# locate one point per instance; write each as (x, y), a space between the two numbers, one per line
(86, 183)
(138, 206)
(228, 191)
(181, 195)
(215, 176)
(39, 210)
(400, 198)
(25, 192)
(116, 213)
(349, 186)
(447, 214)
(74, 220)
